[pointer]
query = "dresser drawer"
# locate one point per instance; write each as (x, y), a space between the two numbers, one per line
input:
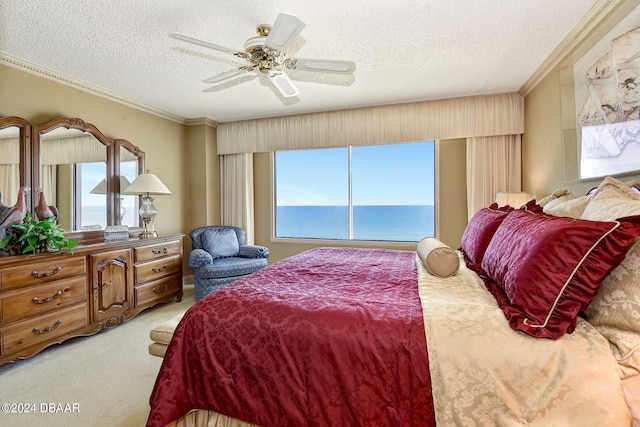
(146, 253)
(157, 269)
(43, 328)
(38, 299)
(158, 289)
(43, 271)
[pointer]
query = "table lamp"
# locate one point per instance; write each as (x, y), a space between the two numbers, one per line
(513, 199)
(147, 184)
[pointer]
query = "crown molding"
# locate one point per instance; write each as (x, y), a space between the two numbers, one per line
(201, 121)
(601, 10)
(32, 68)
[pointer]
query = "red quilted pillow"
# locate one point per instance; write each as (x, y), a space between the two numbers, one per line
(480, 229)
(543, 270)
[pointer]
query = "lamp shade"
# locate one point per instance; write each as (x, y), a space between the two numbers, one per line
(101, 188)
(146, 183)
(513, 199)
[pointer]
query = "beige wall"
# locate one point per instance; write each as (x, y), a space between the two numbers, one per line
(203, 175)
(451, 184)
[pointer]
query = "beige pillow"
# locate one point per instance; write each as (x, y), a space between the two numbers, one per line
(559, 196)
(615, 312)
(613, 199)
(631, 387)
(573, 208)
(438, 258)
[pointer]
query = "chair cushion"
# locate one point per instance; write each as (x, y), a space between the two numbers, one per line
(231, 266)
(220, 243)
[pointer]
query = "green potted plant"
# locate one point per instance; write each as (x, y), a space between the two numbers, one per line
(36, 236)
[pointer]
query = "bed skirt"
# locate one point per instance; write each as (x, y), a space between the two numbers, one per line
(205, 418)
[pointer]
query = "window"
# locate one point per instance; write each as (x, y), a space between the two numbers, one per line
(376, 192)
(92, 207)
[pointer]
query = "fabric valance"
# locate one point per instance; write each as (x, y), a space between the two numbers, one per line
(10, 151)
(81, 149)
(487, 115)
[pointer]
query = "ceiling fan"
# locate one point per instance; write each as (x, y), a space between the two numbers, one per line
(266, 53)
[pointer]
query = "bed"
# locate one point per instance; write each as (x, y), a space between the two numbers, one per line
(508, 336)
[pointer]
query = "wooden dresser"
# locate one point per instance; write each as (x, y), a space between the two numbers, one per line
(48, 298)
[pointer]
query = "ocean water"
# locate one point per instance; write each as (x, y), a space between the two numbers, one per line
(384, 223)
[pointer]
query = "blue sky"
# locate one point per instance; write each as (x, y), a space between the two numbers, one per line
(396, 174)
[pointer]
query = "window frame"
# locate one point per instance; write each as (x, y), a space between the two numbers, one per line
(350, 242)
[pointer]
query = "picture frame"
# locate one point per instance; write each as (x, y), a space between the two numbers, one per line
(600, 84)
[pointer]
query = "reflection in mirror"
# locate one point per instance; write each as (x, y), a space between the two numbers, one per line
(9, 165)
(72, 164)
(128, 203)
(15, 139)
(129, 165)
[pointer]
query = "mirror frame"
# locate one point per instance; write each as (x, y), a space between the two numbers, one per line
(25, 153)
(81, 125)
(127, 145)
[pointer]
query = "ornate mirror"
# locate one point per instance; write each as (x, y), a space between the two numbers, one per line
(72, 171)
(129, 163)
(15, 164)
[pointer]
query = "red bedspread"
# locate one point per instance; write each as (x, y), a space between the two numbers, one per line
(332, 336)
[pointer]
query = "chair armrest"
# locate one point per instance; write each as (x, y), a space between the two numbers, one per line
(253, 251)
(200, 258)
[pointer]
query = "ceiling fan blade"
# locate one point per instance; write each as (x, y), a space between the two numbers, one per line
(283, 83)
(227, 75)
(325, 66)
(229, 83)
(199, 42)
(284, 31)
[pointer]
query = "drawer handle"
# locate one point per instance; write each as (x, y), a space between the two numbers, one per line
(47, 274)
(161, 290)
(163, 251)
(37, 330)
(158, 270)
(38, 301)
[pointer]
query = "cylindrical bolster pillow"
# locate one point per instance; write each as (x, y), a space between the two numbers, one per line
(438, 258)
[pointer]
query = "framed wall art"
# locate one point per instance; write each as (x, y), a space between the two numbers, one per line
(601, 106)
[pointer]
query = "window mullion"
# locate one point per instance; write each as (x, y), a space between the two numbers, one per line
(350, 196)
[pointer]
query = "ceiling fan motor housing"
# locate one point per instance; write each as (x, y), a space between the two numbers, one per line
(261, 56)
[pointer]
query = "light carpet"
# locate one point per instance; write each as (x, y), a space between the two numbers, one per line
(102, 380)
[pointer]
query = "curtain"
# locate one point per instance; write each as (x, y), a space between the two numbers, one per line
(9, 170)
(10, 151)
(81, 149)
(49, 186)
(236, 192)
(10, 179)
(493, 164)
(487, 115)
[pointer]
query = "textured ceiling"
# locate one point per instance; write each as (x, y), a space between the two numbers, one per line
(410, 50)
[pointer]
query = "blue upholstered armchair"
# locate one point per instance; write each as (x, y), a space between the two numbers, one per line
(219, 256)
